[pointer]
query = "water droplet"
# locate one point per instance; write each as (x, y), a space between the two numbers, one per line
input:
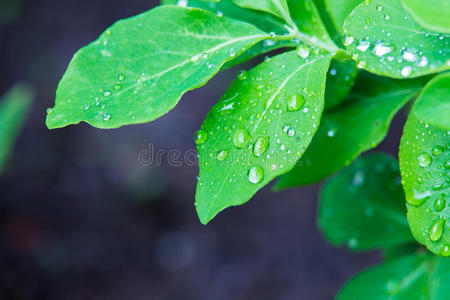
(439, 204)
(445, 251)
(409, 55)
(200, 137)
(381, 49)
(86, 107)
(424, 160)
(255, 174)
(121, 77)
(418, 198)
(406, 70)
(222, 155)
(303, 51)
(348, 40)
(379, 8)
(107, 93)
(437, 150)
(106, 117)
(387, 17)
(117, 87)
(49, 110)
(260, 146)
(295, 102)
(436, 230)
(241, 137)
(447, 164)
(363, 45)
(423, 62)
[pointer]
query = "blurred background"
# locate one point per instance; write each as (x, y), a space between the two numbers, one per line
(82, 218)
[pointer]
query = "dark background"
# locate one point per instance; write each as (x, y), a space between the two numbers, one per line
(81, 218)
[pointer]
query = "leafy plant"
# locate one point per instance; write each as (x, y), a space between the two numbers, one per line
(346, 69)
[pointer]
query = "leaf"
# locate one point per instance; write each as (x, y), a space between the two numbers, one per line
(351, 129)
(259, 129)
(278, 8)
(262, 20)
(425, 164)
(14, 108)
(339, 10)
(433, 103)
(417, 276)
(433, 16)
(326, 19)
(362, 206)
(387, 41)
(340, 79)
(140, 67)
(309, 25)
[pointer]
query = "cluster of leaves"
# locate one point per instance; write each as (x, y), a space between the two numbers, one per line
(347, 68)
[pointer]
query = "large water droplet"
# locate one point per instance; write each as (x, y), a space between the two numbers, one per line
(436, 230)
(418, 198)
(200, 137)
(424, 160)
(260, 146)
(255, 174)
(295, 102)
(241, 137)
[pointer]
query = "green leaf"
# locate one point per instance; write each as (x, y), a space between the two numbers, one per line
(309, 25)
(351, 129)
(417, 276)
(433, 103)
(425, 165)
(362, 206)
(340, 79)
(14, 108)
(432, 15)
(387, 41)
(327, 21)
(140, 67)
(259, 129)
(278, 8)
(339, 10)
(264, 21)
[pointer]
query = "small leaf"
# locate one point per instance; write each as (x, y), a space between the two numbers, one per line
(278, 8)
(340, 79)
(433, 103)
(339, 10)
(259, 129)
(140, 67)
(14, 108)
(417, 276)
(434, 16)
(351, 129)
(425, 168)
(362, 206)
(387, 41)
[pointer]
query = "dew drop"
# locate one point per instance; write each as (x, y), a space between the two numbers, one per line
(260, 146)
(439, 204)
(381, 49)
(121, 77)
(117, 87)
(107, 93)
(241, 137)
(348, 40)
(242, 75)
(406, 70)
(222, 155)
(295, 102)
(106, 117)
(437, 150)
(363, 45)
(424, 160)
(303, 51)
(255, 174)
(436, 230)
(200, 137)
